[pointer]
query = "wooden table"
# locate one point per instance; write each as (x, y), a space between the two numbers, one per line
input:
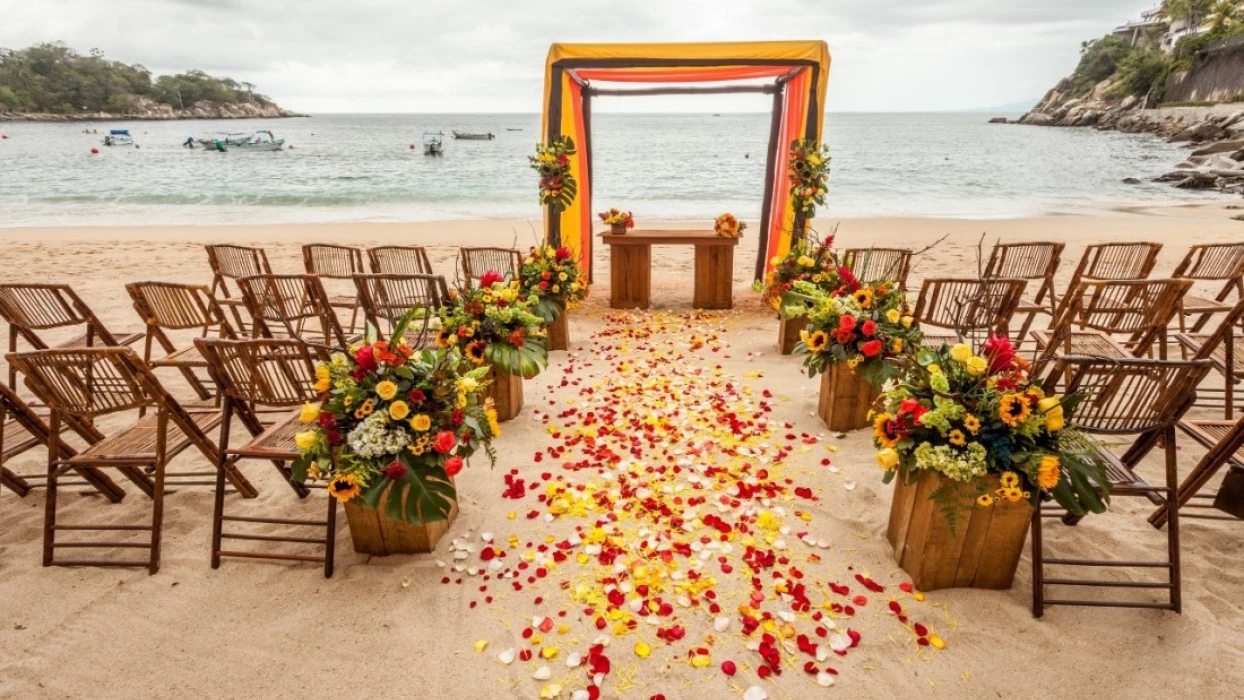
(630, 266)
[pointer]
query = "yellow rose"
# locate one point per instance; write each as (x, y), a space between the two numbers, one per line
(893, 315)
(898, 345)
(467, 384)
(386, 390)
(557, 289)
(935, 369)
(977, 366)
(310, 412)
(1052, 409)
(961, 352)
(887, 459)
(563, 277)
(805, 261)
(306, 439)
(907, 321)
(420, 423)
(323, 379)
(398, 410)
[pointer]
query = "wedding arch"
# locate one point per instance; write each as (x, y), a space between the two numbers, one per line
(800, 72)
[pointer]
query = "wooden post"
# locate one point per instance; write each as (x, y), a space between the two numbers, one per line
(714, 277)
(373, 532)
(559, 332)
(982, 552)
(788, 333)
(845, 399)
(506, 392)
(630, 276)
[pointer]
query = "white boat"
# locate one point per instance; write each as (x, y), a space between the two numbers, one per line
(119, 137)
(432, 143)
(261, 140)
(227, 138)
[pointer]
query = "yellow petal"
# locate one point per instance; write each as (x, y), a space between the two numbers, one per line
(642, 650)
(549, 652)
(481, 645)
(937, 641)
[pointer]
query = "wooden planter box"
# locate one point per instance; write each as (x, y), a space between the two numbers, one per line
(559, 332)
(982, 552)
(846, 399)
(506, 392)
(375, 533)
(788, 333)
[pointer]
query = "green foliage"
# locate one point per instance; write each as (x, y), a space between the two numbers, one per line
(52, 77)
(1098, 60)
(1141, 71)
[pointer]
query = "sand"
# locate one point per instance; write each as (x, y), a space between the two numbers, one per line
(275, 630)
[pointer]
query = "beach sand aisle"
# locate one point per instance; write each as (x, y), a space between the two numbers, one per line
(391, 627)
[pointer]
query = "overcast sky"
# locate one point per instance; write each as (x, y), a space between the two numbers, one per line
(488, 55)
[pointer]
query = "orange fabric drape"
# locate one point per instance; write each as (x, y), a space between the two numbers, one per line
(794, 126)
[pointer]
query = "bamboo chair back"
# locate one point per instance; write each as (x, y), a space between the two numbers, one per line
(969, 307)
(1224, 332)
(173, 306)
(1026, 261)
(29, 308)
(332, 261)
(386, 298)
(1212, 262)
(400, 260)
(1135, 311)
(879, 264)
(1129, 396)
(289, 304)
(233, 262)
(1116, 261)
(477, 261)
(262, 372)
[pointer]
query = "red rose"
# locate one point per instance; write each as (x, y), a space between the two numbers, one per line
(327, 420)
(846, 323)
(544, 285)
(444, 442)
(396, 470)
(333, 436)
(456, 417)
(913, 408)
(870, 327)
(366, 359)
(453, 465)
(1000, 353)
(872, 348)
(490, 278)
(416, 396)
(563, 253)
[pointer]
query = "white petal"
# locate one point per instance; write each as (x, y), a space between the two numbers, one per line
(721, 624)
(755, 693)
(506, 657)
(542, 674)
(824, 679)
(573, 660)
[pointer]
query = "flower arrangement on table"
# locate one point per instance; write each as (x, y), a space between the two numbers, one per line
(552, 161)
(616, 218)
(867, 327)
(393, 417)
(553, 276)
(495, 322)
(806, 261)
(809, 176)
(728, 226)
(968, 416)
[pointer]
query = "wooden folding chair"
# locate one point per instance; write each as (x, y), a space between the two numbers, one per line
(336, 262)
(1214, 262)
(1032, 261)
(168, 306)
(1224, 348)
(879, 264)
(1115, 261)
(400, 260)
(255, 376)
(476, 261)
(1225, 442)
(84, 384)
(1123, 397)
(386, 298)
(25, 429)
(969, 309)
(293, 306)
(31, 308)
(1122, 318)
(232, 262)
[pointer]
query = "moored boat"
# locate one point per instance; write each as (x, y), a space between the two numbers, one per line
(227, 138)
(260, 140)
(119, 137)
(432, 143)
(469, 136)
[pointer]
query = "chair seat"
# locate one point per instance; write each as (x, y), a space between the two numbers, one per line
(1200, 305)
(1195, 342)
(1210, 433)
(188, 357)
(933, 341)
(136, 444)
(276, 441)
(344, 301)
(16, 440)
(1088, 343)
(80, 341)
(1028, 303)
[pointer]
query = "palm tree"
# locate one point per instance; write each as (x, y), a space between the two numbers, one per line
(1191, 11)
(1223, 14)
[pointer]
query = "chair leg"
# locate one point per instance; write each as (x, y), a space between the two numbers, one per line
(330, 538)
(49, 516)
(1172, 527)
(1038, 565)
(218, 515)
(157, 509)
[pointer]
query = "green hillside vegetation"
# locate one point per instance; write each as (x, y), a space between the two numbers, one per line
(54, 78)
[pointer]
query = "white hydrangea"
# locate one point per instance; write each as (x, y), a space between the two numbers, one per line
(373, 438)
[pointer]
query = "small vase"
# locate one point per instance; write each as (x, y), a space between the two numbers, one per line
(846, 398)
(617, 229)
(506, 392)
(983, 551)
(374, 532)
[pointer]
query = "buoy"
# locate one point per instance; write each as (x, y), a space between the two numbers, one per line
(291, 147)
(94, 150)
(412, 146)
(4, 137)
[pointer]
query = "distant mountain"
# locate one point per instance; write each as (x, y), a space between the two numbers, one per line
(1011, 108)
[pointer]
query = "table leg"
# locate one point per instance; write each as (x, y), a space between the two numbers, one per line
(630, 277)
(714, 277)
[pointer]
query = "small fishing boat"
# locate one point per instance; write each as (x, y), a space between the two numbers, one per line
(432, 143)
(261, 140)
(469, 136)
(513, 128)
(119, 137)
(226, 138)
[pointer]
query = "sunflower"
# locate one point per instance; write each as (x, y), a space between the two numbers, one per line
(972, 423)
(442, 337)
(1014, 409)
(881, 430)
(1048, 473)
(421, 445)
(490, 410)
(817, 341)
(343, 487)
(957, 438)
(863, 297)
(984, 500)
(1009, 480)
(475, 351)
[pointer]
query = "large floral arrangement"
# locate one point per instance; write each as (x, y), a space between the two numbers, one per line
(392, 417)
(809, 175)
(868, 327)
(614, 217)
(552, 160)
(728, 226)
(495, 322)
(967, 416)
(552, 275)
(806, 261)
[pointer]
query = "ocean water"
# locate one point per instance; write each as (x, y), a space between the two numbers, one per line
(662, 167)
